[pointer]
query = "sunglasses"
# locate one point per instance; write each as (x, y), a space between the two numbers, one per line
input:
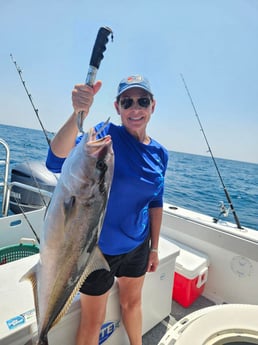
(143, 102)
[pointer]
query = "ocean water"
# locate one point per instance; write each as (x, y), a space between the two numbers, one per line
(191, 181)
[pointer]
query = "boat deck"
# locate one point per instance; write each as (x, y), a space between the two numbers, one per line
(177, 313)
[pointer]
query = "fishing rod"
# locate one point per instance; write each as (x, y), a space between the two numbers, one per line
(47, 139)
(30, 98)
(96, 57)
(213, 159)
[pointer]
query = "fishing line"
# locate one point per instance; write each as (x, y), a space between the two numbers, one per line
(213, 159)
(48, 142)
(30, 98)
(37, 184)
(26, 218)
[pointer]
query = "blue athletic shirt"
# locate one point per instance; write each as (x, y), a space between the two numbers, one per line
(137, 185)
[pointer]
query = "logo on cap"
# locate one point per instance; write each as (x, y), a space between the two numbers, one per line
(134, 79)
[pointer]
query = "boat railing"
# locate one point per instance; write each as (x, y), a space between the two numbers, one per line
(5, 162)
(6, 188)
(42, 192)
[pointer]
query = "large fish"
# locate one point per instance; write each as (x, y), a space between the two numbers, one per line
(68, 248)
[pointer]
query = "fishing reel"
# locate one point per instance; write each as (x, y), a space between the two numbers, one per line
(224, 211)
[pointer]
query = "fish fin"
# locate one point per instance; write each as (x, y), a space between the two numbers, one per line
(32, 277)
(96, 262)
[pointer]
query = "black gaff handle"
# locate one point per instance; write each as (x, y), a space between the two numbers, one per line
(97, 53)
(96, 57)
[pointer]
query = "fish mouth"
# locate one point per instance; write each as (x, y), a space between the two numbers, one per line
(100, 142)
(99, 147)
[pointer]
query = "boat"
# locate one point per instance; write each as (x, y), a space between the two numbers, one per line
(204, 292)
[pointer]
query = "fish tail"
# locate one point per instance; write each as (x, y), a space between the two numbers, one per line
(43, 340)
(36, 340)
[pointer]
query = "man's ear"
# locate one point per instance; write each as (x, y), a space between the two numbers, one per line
(153, 104)
(117, 107)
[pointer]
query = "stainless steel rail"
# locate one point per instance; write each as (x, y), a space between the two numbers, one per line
(5, 162)
(42, 192)
(6, 187)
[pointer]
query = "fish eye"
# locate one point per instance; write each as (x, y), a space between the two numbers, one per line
(101, 165)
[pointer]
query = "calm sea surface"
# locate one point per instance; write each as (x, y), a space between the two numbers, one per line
(191, 182)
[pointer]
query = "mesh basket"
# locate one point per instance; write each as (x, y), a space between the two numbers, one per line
(16, 252)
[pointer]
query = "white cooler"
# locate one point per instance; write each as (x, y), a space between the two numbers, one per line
(17, 315)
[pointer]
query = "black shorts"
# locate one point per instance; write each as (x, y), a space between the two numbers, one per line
(132, 264)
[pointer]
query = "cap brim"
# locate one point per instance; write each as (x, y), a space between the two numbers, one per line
(134, 86)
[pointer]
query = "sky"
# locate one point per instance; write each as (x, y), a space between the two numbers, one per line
(212, 43)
